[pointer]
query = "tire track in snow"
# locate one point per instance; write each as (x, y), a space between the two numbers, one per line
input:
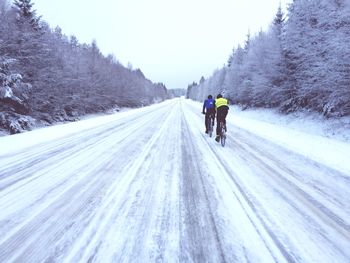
(247, 204)
(255, 218)
(200, 226)
(272, 167)
(58, 175)
(60, 149)
(120, 211)
(147, 211)
(298, 176)
(279, 172)
(292, 193)
(46, 221)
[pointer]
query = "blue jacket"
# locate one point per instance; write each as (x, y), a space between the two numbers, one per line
(209, 104)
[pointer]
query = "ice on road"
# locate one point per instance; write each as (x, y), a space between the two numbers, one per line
(148, 185)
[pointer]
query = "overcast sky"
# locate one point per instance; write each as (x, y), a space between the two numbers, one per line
(171, 41)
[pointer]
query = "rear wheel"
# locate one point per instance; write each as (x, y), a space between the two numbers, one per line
(223, 139)
(222, 134)
(210, 127)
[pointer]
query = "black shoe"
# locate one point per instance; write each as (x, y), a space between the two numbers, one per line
(206, 131)
(217, 138)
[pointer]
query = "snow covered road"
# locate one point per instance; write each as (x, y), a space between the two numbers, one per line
(148, 185)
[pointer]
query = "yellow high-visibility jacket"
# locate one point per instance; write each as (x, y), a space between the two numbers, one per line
(221, 102)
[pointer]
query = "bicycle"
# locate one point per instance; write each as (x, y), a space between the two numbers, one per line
(222, 134)
(211, 125)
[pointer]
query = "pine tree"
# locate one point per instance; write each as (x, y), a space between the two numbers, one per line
(3, 7)
(229, 61)
(27, 44)
(26, 14)
(336, 20)
(247, 42)
(278, 21)
(277, 69)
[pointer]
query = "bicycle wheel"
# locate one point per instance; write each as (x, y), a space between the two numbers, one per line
(222, 134)
(210, 127)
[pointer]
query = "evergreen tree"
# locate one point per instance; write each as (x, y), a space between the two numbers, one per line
(277, 69)
(337, 24)
(302, 62)
(278, 22)
(26, 14)
(310, 30)
(247, 42)
(229, 61)
(3, 7)
(68, 79)
(25, 43)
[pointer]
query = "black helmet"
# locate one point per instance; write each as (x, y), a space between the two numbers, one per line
(219, 96)
(210, 97)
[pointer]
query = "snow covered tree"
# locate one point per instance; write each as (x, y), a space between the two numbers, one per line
(25, 41)
(68, 79)
(229, 61)
(232, 81)
(276, 69)
(3, 7)
(313, 57)
(338, 36)
(300, 63)
(258, 63)
(247, 42)
(14, 96)
(14, 93)
(278, 21)
(26, 14)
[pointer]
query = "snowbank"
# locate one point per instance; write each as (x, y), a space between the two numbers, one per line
(307, 122)
(324, 141)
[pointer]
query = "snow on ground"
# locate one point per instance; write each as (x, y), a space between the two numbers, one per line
(324, 141)
(17, 142)
(303, 134)
(304, 121)
(148, 185)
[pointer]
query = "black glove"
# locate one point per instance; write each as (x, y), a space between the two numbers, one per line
(203, 112)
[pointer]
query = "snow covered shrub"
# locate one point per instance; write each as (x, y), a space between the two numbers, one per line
(14, 93)
(15, 123)
(14, 96)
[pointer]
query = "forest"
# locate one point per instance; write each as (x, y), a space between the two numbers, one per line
(47, 77)
(302, 62)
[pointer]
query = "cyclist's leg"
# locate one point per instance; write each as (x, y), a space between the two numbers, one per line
(225, 112)
(207, 117)
(213, 116)
(210, 118)
(218, 120)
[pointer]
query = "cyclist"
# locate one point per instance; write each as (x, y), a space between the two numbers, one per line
(208, 109)
(221, 105)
